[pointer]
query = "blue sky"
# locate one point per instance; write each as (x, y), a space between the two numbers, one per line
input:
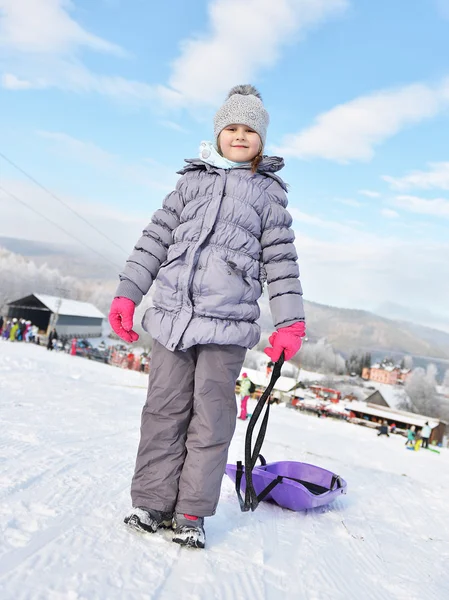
(101, 100)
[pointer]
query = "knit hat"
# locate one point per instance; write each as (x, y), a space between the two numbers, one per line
(243, 106)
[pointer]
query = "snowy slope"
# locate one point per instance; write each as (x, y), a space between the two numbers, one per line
(69, 431)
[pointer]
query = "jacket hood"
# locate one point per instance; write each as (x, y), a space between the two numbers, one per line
(269, 165)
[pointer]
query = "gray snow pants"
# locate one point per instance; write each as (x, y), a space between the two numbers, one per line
(187, 425)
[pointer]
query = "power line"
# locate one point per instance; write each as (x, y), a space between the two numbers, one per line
(59, 227)
(55, 197)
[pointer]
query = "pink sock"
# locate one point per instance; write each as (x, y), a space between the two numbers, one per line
(191, 517)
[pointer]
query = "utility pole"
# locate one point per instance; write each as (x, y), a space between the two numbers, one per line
(55, 316)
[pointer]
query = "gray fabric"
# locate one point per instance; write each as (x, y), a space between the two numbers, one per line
(209, 249)
(243, 107)
(187, 425)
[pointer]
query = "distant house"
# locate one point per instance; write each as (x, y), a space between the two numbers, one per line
(390, 374)
(377, 398)
(374, 412)
(71, 318)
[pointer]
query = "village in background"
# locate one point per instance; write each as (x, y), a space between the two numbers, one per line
(389, 394)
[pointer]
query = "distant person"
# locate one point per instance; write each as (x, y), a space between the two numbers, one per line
(1, 324)
(35, 334)
(130, 360)
(383, 429)
(411, 435)
(425, 435)
(52, 338)
(245, 385)
(13, 331)
(219, 236)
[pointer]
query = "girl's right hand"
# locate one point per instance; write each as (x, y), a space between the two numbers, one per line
(121, 319)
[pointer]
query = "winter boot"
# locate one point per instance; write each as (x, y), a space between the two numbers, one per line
(189, 531)
(148, 519)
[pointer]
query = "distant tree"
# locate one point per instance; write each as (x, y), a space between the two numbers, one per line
(320, 357)
(367, 361)
(431, 374)
(420, 387)
(446, 379)
(356, 362)
(407, 362)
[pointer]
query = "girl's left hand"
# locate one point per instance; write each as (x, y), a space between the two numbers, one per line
(287, 340)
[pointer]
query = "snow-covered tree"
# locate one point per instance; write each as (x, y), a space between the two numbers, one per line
(320, 357)
(446, 379)
(21, 277)
(357, 362)
(407, 362)
(431, 375)
(420, 387)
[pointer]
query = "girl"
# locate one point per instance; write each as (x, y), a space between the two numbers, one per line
(208, 250)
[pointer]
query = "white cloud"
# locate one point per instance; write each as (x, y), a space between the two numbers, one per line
(344, 229)
(174, 126)
(46, 27)
(443, 8)
(21, 222)
(42, 43)
(151, 174)
(40, 47)
(389, 214)
(369, 193)
(437, 177)
(349, 202)
(11, 82)
(243, 38)
(362, 272)
(438, 207)
(351, 131)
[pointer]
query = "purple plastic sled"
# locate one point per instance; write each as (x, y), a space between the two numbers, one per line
(303, 486)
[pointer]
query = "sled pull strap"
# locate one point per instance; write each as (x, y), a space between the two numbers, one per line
(269, 487)
(251, 499)
(263, 493)
(336, 479)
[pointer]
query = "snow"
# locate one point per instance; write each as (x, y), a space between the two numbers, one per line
(70, 430)
(70, 307)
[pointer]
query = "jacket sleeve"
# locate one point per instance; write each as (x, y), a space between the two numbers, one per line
(150, 250)
(279, 259)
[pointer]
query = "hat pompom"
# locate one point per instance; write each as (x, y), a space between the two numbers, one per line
(244, 90)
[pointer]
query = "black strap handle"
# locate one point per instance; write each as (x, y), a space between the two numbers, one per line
(251, 498)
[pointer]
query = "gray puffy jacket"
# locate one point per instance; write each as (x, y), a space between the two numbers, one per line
(210, 248)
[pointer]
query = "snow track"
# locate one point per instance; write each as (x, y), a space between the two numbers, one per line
(69, 432)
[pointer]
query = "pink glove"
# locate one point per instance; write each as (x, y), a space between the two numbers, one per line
(287, 339)
(121, 319)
